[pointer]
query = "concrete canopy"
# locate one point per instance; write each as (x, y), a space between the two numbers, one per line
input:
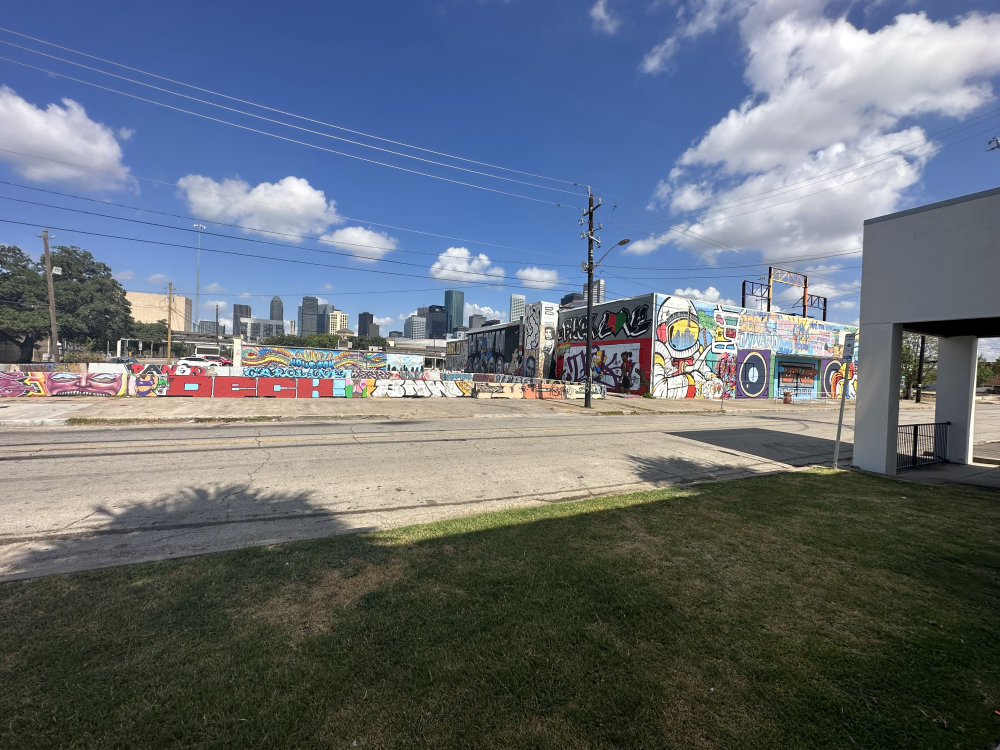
(932, 270)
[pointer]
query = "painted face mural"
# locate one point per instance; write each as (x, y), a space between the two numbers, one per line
(15, 384)
(84, 384)
(679, 366)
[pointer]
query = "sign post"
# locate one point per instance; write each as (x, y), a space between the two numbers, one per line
(848, 359)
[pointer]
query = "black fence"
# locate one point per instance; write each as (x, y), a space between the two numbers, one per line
(921, 444)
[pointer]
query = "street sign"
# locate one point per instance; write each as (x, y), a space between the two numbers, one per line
(849, 348)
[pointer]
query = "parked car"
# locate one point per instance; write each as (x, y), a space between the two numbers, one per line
(196, 359)
(218, 359)
(123, 361)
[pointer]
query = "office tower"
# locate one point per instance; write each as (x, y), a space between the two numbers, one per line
(308, 316)
(277, 308)
(573, 299)
(208, 326)
(395, 335)
(415, 327)
(365, 322)
(454, 305)
(598, 291)
(373, 331)
(323, 317)
(516, 307)
(476, 321)
(422, 311)
(437, 321)
(337, 321)
(258, 329)
(241, 313)
(494, 322)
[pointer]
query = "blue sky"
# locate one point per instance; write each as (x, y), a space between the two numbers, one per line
(722, 137)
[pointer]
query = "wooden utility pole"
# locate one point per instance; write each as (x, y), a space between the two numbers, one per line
(53, 328)
(217, 327)
(170, 320)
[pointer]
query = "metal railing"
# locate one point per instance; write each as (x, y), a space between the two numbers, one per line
(921, 444)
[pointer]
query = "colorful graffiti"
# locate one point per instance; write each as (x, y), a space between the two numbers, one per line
(546, 389)
(540, 321)
(279, 362)
(17, 383)
(495, 350)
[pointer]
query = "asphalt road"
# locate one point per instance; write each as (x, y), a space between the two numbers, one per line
(73, 498)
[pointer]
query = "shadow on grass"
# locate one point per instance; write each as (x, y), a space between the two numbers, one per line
(793, 610)
(192, 521)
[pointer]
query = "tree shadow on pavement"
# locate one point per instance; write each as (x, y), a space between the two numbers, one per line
(773, 445)
(194, 521)
(676, 470)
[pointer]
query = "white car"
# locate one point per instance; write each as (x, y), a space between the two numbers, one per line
(196, 361)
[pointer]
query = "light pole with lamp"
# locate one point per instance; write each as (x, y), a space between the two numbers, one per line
(197, 280)
(589, 267)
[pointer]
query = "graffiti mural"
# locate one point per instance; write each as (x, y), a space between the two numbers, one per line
(456, 355)
(540, 322)
(495, 350)
(622, 346)
(278, 362)
(16, 383)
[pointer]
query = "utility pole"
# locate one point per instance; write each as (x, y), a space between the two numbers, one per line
(197, 275)
(920, 368)
(216, 326)
(589, 268)
(170, 320)
(53, 328)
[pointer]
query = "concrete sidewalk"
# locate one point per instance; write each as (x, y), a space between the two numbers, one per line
(58, 410)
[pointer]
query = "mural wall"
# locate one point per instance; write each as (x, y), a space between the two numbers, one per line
(673, 347)
(495, 350)
(456, 355)
(706, 350)
(540, 322)
(622, 342)
(281, 362)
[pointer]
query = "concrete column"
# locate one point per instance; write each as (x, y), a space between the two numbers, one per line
(956, 391)
(877, 411)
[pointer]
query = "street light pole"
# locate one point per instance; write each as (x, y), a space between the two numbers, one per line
(53, 328)
(197, 279)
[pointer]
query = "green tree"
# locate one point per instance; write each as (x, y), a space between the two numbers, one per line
(24, 306)
(986, 370)
(911, 362)
(90, 305)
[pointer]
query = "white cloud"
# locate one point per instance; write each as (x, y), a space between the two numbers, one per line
(289, 207)
(71, 148)
(213, 288)
(245, 295)
(387, 320)
(604, 21)
(157, 278)
(648, 244)
(487, 312)
(693, 20)
(710, 294)
(458, 264)
(124, 275)
(366, 245)
(126, 134)
(210, 304)
(328, 287)
(538, 278)
(990, 348)
(825, 138)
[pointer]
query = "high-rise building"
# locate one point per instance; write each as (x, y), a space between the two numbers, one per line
(336, 321)
(454, 305)
(277, 308)
(437, 321)
(395, 335)
(574, 298)
(516, 307)
(365, 322)
(373, 331)
(415, 327)
(241, 314)
(258, 329)
(323, 317)
(208, 326)
(476, 321)
(598, 291)
(308, 316)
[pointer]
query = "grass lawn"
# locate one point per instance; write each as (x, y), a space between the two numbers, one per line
(808, 610)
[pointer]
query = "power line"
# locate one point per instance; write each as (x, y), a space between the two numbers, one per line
(287, 139)
(279, 111)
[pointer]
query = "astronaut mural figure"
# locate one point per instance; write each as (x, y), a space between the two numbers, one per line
(680, 366)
